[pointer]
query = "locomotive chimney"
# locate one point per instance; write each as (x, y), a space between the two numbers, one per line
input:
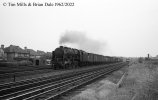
(61, 46)
(148, 56)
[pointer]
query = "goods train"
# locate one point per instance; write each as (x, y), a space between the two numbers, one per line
(67, 58)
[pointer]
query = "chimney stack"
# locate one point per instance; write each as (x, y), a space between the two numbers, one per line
(25, 48)
(2, 46)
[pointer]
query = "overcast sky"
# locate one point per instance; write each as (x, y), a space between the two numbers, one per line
(127, 27)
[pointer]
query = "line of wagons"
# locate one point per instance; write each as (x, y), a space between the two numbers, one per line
(68, 58)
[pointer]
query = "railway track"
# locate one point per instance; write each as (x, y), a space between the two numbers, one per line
(49, 88)
(10, 74)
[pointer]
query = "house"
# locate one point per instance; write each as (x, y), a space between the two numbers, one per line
(33, 53)
(40, 53)
(2, 54)
(48, 58)
(15, 53)
(47, 55)
(37, 58)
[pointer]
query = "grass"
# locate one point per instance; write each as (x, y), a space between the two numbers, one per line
(141, 83)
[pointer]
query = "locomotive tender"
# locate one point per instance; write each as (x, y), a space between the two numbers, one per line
(68, 58)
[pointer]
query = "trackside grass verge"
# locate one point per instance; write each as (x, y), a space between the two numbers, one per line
(140, 83)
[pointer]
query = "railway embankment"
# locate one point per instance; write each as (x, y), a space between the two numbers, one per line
(138, 81)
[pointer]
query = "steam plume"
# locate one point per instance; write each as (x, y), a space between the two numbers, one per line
(81, 41)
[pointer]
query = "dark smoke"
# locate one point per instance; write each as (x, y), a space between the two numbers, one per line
(81, 41)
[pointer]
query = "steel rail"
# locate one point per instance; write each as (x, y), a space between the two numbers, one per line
(74, 84)
(37, 88)
(34, 80)
(47, 88)
(80, 83)
(35, 91)
(27, 84)
(79, 79)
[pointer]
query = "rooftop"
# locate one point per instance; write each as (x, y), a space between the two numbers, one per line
(16, 49)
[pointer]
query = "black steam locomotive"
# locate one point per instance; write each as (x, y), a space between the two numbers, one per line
(68, 58)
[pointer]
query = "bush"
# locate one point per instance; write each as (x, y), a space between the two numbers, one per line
(24, 63)
(17, 63)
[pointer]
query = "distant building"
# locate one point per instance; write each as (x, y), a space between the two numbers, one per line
(33, 53)
(48, 58)
(40, 53)
(15, 53)
(38, 58)
(48, 55)
(2, 54)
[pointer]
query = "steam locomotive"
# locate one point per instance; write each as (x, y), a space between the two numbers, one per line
(68, 58)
